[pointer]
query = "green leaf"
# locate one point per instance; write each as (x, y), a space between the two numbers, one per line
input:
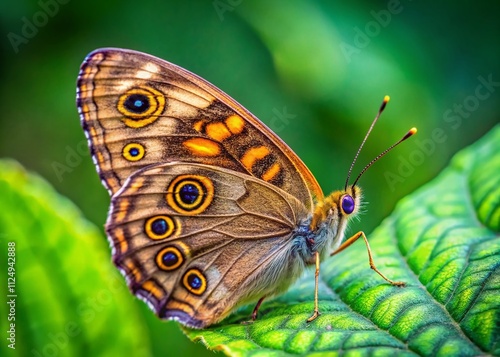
(66, 300)
(443, 240)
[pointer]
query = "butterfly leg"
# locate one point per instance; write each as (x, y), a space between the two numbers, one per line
(354, 238)
(256, 309)
(316, 280)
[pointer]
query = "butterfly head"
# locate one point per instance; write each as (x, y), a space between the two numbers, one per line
(337, 208)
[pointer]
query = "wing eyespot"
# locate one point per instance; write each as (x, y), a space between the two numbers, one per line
(160, 227)
(141, 106)
(194, 281)
(190, 194)
(133, 152)
(169, 258)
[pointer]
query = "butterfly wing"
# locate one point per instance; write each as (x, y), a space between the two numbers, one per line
(139, 110)
(195, 240)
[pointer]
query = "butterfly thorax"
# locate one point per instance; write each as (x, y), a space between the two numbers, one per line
(320, 231)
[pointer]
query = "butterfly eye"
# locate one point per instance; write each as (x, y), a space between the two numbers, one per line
(348, 204)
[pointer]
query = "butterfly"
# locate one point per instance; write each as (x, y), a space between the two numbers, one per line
(210, 209)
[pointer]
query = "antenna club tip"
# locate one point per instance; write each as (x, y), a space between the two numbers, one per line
(382, 106)
(410, 132)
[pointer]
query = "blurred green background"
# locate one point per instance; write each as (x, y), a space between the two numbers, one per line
(314, 71)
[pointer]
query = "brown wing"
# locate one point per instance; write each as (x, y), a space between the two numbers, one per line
(194, 240)
(139, 110)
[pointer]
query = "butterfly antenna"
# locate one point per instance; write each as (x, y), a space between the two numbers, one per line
(382, 107)
(410, 132)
